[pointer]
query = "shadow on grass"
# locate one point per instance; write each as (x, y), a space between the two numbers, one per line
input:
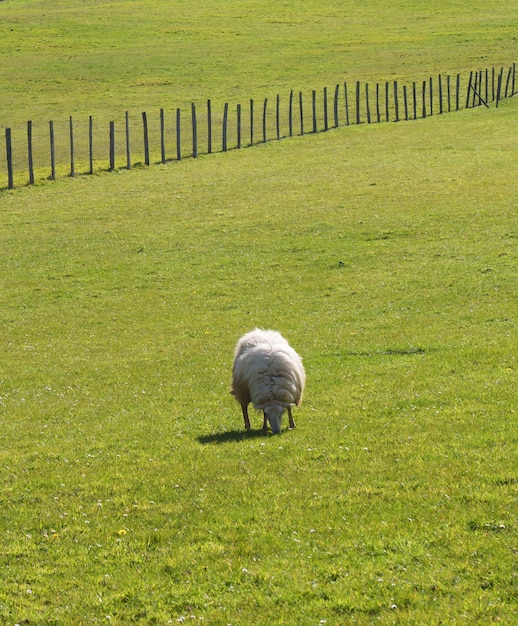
(231, 435)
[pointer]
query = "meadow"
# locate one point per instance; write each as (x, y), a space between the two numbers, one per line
(386, 254)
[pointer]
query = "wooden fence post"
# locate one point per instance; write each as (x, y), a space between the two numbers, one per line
(431, 95)
(209, 127)
(314, 108)
(326, 121)
(378, 116)
(9, 155)
(162, 135)
(468, 93)
(457, 92)
(386, 101)
(448, 85)
(499, 86)
(265, 105)
(52, 152)
(91, 144)
(146, 138)
(396, 102)
(301, 111)
(178, 135)
(29, 152)
(508, 81)
(440, 95)
(414, 95)
(194, 131)
(346, 100)
(128, 151)
(405, 101)
(290, 114)
(251, 122)
(367, 105)
(72, 156)
(112, 146)
(225, 125)
(424, 99)
(337, 94)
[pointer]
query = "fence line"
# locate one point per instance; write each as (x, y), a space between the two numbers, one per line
(66, 149)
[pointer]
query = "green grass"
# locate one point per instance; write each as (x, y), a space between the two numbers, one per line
(81, 58)
(130, 493)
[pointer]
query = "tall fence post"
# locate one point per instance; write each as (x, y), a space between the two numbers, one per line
(314, 109)
(301, 111)
(367, 106)
(29, 153)
(378, 116)
(251, 122)
(52, 151)
(278, 116)
(265, 105)
(209, 127)
(9, 155)
(335, 106)
(112, 146)
(224, 130)
(178, 135)
(238, 126)
(194, 131)
(91, 144)
(72, 156)
(146, 138)
(326, 121)
(396, 102)
(290, 114)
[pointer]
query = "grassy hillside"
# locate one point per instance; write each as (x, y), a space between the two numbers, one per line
(130, 493)
(91, 57)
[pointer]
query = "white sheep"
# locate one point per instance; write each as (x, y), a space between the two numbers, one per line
(268, 373)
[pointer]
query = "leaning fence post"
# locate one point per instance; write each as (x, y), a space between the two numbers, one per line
(29, 152)
(508, 81)
(9, 155)
(468, 93)
(499, 86)
(52, 152)
(72, 164)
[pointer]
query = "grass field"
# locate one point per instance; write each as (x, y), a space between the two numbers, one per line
(386, 254)
(91, 57)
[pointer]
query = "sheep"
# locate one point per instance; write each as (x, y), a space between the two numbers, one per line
(268, 373)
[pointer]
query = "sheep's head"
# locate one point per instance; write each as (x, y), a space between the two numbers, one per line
(273, 412)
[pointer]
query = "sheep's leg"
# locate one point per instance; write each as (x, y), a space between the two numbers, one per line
(290, 416)
(265, 425)
(244, 407)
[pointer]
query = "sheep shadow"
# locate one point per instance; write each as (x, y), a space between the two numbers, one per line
(230, 436)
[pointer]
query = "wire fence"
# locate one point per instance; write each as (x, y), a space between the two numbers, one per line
(73, 147)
